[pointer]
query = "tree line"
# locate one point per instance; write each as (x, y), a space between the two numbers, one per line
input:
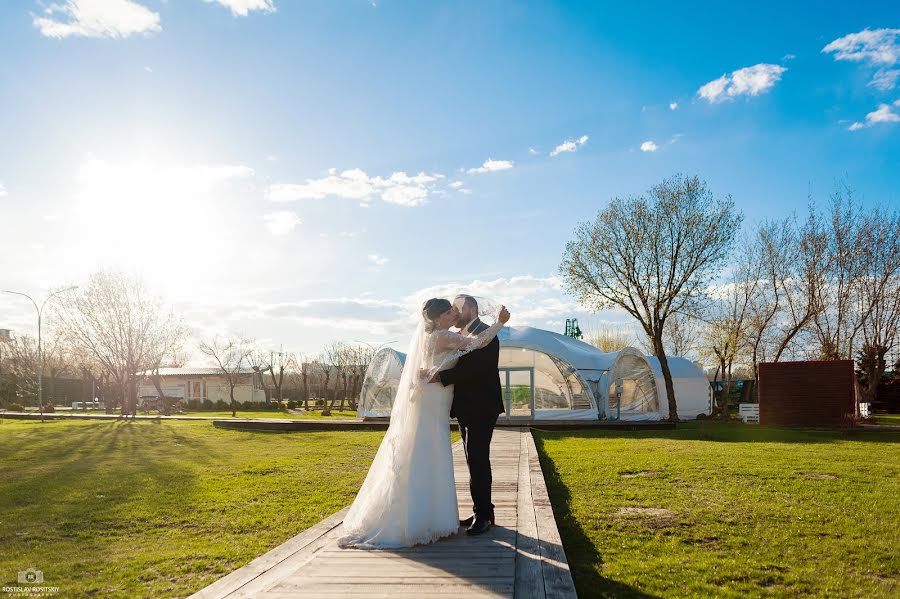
(114, 332)
(825, 286)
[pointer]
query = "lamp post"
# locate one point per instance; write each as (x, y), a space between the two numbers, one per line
(40, 312)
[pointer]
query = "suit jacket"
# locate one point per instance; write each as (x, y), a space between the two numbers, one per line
(476, 393)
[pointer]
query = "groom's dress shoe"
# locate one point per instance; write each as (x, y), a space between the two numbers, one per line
(478, 527)
(471, 520)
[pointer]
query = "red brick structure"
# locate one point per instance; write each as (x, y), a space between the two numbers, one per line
(818, 394)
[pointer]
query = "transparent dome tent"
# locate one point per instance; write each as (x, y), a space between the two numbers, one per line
(547, 376)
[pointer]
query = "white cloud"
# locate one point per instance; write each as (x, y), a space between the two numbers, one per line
(885, 79)
(491, 165)
(380, 318)
(533, 152)
(282, 222)
(3, 192)
(569, 145)
(749, 81)
(378, 260)
(97, 18)
(405, 195)
(148, 69)
(673, 105)
(241, 8)
(456, 184)
(400, 188)
(649, 146)
(883, 114)
(877, 48)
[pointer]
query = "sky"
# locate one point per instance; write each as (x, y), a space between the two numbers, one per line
(303, 172)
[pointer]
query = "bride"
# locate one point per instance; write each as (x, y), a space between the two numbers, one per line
(409, 495)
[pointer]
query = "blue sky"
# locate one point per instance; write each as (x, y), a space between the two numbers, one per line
(307, 171)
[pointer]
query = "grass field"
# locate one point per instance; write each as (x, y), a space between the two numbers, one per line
(888, 419)
(727, 510)
(137, 509)
(335, 414)
(243, 414)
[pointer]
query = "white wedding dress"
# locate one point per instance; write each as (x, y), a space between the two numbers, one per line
(409, 494)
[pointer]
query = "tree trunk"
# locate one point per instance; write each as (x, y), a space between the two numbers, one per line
(667, 377)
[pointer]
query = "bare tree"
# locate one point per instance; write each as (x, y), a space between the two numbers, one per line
(654, 256)
(681, 335)
(325, 368)
(878, 301)
(727, 333)
(299, 376)
(21, 364)
(608, 339)
(278, 364)
(837, 322)
(122, 325)
(259, 362)
(230, 355)
(361, 355)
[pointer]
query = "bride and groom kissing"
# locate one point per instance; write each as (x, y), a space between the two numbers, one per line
(409, 494)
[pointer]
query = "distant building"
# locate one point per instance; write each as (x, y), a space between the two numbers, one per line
(200, 384)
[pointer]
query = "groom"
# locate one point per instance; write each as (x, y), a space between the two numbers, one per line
(477, 402)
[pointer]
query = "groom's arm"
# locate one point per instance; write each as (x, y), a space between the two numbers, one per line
(480, 362)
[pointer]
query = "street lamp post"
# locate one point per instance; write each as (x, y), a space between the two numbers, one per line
(40, 350)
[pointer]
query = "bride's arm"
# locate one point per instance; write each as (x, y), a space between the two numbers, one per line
(455, 341)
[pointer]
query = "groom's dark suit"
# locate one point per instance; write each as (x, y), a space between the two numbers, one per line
(477, 402)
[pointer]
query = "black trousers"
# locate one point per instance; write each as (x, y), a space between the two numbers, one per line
(476, 437)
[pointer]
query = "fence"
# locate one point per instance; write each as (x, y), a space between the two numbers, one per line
(818, 394)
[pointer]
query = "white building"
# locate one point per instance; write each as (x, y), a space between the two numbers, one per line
(199, 384)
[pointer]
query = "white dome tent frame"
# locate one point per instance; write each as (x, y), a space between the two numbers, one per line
(548, 377)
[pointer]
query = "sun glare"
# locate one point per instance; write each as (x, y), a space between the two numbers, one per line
(155, 218)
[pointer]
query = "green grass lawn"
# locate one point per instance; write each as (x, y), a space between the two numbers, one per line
(888, 419)
(751, 511)
(242, 414)
(335, 414)
(137, 509)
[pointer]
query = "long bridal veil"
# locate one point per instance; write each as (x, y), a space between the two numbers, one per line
(387, 480)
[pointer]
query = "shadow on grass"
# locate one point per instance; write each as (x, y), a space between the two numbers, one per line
(735, 432)
(581, 553)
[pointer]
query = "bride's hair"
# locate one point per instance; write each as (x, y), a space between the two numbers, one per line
(432, 309)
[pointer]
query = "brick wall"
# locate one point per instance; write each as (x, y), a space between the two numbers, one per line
(819, 394)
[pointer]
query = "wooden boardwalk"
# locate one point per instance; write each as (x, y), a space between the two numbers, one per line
(522, 556)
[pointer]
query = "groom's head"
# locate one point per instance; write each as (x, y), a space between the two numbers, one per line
(468, 309)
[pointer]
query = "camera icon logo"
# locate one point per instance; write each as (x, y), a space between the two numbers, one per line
(31, 576)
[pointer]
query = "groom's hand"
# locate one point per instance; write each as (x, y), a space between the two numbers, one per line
(504, 315)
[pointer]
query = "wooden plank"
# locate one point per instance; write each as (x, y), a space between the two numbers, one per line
(420, 589)
(529, 580)
(244, 575)
(554, 566)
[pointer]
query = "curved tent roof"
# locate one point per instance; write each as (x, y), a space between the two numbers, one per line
(635, 377)
(577, 354)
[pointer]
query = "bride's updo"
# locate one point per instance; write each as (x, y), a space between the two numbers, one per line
(432, 309)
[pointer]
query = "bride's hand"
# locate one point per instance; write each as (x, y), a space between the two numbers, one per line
(504, 315)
